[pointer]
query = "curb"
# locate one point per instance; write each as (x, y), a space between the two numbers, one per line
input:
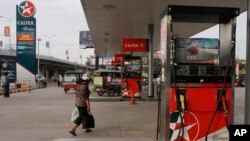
(119, 99)
(17, 90)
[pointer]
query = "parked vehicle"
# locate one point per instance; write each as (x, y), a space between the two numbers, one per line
(107, 81)
(41, 81)
(111, 90)
(70, 78)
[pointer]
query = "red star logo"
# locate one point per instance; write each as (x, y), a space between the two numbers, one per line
(27, 9)
(187, 127)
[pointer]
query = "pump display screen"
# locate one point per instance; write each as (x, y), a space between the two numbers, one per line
(196, 51)
(132, 67)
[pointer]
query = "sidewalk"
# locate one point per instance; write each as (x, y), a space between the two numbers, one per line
(24, 87)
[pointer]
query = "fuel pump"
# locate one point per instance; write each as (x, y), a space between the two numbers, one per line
(197, 74)
(131, 78)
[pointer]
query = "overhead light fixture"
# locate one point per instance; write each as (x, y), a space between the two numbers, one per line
(106, 33)
(109, 6)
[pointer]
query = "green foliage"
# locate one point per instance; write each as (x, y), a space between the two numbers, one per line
(157, 66)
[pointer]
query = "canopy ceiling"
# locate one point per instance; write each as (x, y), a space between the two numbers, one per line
(110, 21)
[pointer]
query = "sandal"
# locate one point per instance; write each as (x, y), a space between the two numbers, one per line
(88, 130)
(72, 133)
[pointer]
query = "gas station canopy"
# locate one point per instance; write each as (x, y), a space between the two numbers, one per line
(110, 21)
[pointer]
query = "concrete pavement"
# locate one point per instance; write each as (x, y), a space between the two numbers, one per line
(44, 115)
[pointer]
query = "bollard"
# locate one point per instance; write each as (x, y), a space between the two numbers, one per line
(29, 87)
(18, 88)
(132, 99)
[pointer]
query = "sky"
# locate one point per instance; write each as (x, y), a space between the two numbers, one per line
(241, 26)
(61, 20)
(58, 21)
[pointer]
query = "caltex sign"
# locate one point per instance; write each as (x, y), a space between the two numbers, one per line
(25, 41)
(27, 9)
(134, 45)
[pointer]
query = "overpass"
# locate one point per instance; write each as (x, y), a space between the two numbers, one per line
(49, 66)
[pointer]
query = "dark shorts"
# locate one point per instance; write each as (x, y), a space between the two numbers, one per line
(83, 113)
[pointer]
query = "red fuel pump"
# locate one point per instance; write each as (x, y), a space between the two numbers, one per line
(197, 75)
(131, 78)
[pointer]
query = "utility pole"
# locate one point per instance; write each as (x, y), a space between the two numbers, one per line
(38, 56)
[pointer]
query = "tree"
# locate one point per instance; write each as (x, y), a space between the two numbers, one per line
(156, 67)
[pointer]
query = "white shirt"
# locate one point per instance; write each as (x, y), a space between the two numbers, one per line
(2, 80)
(60, 79)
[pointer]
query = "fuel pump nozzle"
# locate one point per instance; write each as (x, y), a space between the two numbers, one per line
(182, 101)
(223, 99)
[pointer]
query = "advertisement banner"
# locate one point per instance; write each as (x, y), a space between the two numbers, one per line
(196, 51)
(86, 40)
(134, 45)
(26, 40)
(7, 31)
(66, 52)
(47, 44)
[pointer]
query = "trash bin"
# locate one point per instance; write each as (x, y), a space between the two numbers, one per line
(18, 85)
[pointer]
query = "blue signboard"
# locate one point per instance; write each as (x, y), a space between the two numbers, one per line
(6, 67)
(26, 36)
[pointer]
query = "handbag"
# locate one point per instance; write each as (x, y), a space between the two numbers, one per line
(75, 114)
(90, 121)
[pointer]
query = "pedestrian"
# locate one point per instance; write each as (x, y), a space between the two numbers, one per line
(2, 79)
(5, 83)
(82, 103)
(60, 81)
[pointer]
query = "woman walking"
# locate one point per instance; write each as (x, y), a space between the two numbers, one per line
(82, 103)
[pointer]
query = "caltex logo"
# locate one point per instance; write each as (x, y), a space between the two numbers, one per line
(184, 127)
(26, 9)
